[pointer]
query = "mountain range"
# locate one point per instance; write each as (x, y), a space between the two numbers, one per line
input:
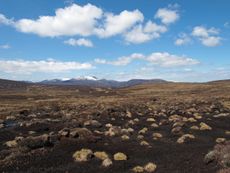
(93, 81)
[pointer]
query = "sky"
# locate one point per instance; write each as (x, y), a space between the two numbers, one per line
(180, 40)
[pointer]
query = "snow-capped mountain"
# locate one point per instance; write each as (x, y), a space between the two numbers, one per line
(87, 78)
(93, 81)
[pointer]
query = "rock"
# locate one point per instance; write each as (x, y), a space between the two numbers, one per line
(83, 155)
(130, 130)
(107, 162)
(220, 140)
(128, 114)
(64, 132)
(185, 138)
(194, 128)
(36, 142)
(178, 124)
(138, 169)
(143, 131)
(192, 120)
(11, 144)
(93, 123)
(150, 167)
(136, 120)
(81, 133)
(101, 155)
(221, 115)
(144, 143)
(210, 157)
(139, 137)
(108, 125)
(154, 125)
(157, 136)
(204, 126)
(227, 132)
(197, 116)
(113, 131)
(177, 130)
(119, 156)
(125, 137)
(150, 120)
(11, 117)
(175, 118)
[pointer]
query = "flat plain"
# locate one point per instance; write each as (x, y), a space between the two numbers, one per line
(176, 127)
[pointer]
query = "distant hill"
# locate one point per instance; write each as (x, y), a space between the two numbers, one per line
(94, 82)
(10, 84)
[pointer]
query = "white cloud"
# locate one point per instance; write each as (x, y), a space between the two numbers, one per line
(90, 20)
(140, 34)
(165, 59)
(183, 39)
(69, 21)
(162, 59)
(46, 66)
(5, 21)
(79, 42)
(5, 46)
(121, 61)
(208, 37)
(211, 41)
(167, 16)
(117, 24)
(227, 25)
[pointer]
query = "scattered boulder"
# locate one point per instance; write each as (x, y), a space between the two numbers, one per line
(143, 131)
(185, 138)
(144, 143)
(93, 123)
(154, 125)
(83, 155)
(157, 136)
(150, 167)
(194, 128)
(11, 144)
(211, 156)
(192, 120)
(150, 120)
(36, 142)
(227, 132)
(139, 137)
(204, 126)
(125, 137)
(119, 156)
(81, 133)
(220, 140)
(138, 169)
(101, 155)
(128, 114)
(107, 162)
(177, 130)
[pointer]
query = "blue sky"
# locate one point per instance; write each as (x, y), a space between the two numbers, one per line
(186, 40)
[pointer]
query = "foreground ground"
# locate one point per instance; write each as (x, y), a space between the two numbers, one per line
(173, 126)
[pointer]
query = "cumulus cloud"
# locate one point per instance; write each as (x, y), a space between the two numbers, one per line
(5, 21)
(183, 39)
(162, 59)
(46, 66)
(117, 24)
(5, 46)
(208, 37)
(121, 61)
(167, 16)
(90, 20)
(69, 21)
(140, 34)
(79, 42)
